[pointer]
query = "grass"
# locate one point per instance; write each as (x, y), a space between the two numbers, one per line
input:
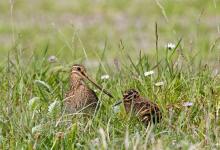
(116, 39)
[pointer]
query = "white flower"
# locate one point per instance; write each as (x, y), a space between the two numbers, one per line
(170, 46)
(159, 83)
(187, 104)
(148, 73)
(52, 59)
(105, 77)
(54, 107)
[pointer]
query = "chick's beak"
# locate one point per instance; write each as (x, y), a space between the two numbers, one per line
(99, 87)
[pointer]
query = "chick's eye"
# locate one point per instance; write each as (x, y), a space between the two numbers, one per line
(78, 68)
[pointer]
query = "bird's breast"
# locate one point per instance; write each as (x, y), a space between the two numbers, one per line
(80, 97)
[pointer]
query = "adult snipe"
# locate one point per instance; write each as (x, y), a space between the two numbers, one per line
(80, 96)
(146, 110)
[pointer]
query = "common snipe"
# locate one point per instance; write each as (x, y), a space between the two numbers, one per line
(80, 96)
(146, 110)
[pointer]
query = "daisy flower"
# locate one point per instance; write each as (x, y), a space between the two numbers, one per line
(187, 104)
(159, 83)
(170, 46)
(105, 77)
(148, 73)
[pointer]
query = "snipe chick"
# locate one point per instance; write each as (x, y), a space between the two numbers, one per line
(146, 110)
(80, 96)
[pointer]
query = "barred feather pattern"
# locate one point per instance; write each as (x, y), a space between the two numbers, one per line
(80, 97)
(144, 109)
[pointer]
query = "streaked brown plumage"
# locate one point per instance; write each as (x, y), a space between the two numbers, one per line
(146, 110)
(80, 96)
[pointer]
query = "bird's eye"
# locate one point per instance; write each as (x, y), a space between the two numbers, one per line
(78, 68)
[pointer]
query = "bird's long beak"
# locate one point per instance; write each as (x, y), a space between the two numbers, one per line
(99, 87)
(117, 103)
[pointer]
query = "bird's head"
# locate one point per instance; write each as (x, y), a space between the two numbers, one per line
(130, 95)
(78, 72)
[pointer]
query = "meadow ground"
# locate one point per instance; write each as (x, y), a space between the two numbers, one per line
(40, 40)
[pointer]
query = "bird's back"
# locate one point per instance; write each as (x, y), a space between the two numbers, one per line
(146, 110)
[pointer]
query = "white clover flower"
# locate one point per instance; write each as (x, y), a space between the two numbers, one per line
(159, 83)
(52, 59)
(147, 73)
(187, 104)
(105, 77)
(54, 107)
(170, 46)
